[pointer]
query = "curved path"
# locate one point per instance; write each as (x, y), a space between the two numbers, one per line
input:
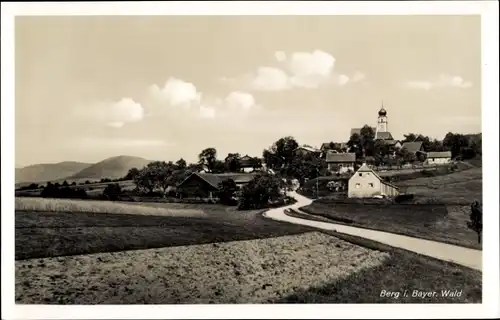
(464, 256)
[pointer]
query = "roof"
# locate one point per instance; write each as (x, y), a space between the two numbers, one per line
(440, 154)
(310, 149)
(326, 145)
(383, 136)
(366, 168)
(214, 179)
(340, 157)
(246, 161)
(390, 142)
(413, 146)
(358, 130)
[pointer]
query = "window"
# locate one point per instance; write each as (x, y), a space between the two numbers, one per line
(358, 185)
(360, 174)
(370, 185)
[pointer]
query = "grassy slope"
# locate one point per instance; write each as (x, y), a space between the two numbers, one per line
(112, 168)
(433, 222)
(48, 172)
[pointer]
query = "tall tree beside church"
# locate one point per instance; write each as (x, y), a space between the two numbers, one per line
(364, 143)
(208, 158)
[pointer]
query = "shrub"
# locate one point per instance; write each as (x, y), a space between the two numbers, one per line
(112, 191)
(403, 197)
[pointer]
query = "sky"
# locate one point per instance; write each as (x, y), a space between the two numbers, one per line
(166, 87)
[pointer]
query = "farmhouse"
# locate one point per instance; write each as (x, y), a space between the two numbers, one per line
(413, 147)
(437, 158)
(247, 163)
(366, 183)
(340, 162)
(206, 185)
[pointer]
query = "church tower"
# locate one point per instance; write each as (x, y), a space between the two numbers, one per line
(382, 120)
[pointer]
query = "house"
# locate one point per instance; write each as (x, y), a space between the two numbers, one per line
(366, 183)
(206, 185)
(413, 147)
(248, 164)
(340, 162)
(396, 144)
(304, 150)
(437, 158)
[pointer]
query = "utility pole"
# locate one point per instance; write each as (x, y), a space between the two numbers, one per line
(317, 183)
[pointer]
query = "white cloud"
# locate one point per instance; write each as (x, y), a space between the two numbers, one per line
(343, 79)
(207, 112)
(270, 79)
(301, 70)
(280, 56)
(113, 114)
(176, 92)
(443, 80)
(358, 76)
(240, 100)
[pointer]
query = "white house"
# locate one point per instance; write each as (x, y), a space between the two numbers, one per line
(340, 162)
(366, 183)
(437, 158)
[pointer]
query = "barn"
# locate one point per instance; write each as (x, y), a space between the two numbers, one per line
(206, 185)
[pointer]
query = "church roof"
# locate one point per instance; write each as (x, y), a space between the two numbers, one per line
(412, 146)
(383, 136)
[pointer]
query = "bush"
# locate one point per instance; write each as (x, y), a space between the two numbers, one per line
(112, 191)
(403, 197)
(54, 191)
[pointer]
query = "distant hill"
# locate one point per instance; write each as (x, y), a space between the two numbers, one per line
(49, 171)
(112, 168)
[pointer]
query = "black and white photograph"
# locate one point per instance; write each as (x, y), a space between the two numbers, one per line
(232, 158)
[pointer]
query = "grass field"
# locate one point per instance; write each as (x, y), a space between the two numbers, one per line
(459, 187)
(439, 222)
(134, 226)
(311, 267)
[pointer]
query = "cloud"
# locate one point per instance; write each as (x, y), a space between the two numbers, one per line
(207, 112)
(300, 70)
(280, 56)
(176, 92)
(114, 114)
(240, 100)
(443, 80)
(270, 79)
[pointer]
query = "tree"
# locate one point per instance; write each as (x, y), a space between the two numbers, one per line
(476, 219)
(281, 153)
(455, 143)
(181, 164)
(260, 191)
(227, 189)
(218, 167)
(65, 184)
(207, 158)
(131, 174)
(232, 162)
(363, 144)
(256, 163)
(112, 191)
(73, 183)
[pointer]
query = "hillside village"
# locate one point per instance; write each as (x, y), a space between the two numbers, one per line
(372, 150)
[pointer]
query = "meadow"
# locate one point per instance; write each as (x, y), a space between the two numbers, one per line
(439, 212)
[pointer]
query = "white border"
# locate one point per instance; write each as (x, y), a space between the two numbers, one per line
(487, 9)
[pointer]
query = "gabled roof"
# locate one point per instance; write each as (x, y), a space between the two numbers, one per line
(439, 154)
(246, 161)
(366, 168)
(383, 136)
(358, 131)
(390, 142)
(412, 146)
(310, 149)
(340, 157)
(214, 179)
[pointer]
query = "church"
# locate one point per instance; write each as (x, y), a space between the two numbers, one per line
(381, 130)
